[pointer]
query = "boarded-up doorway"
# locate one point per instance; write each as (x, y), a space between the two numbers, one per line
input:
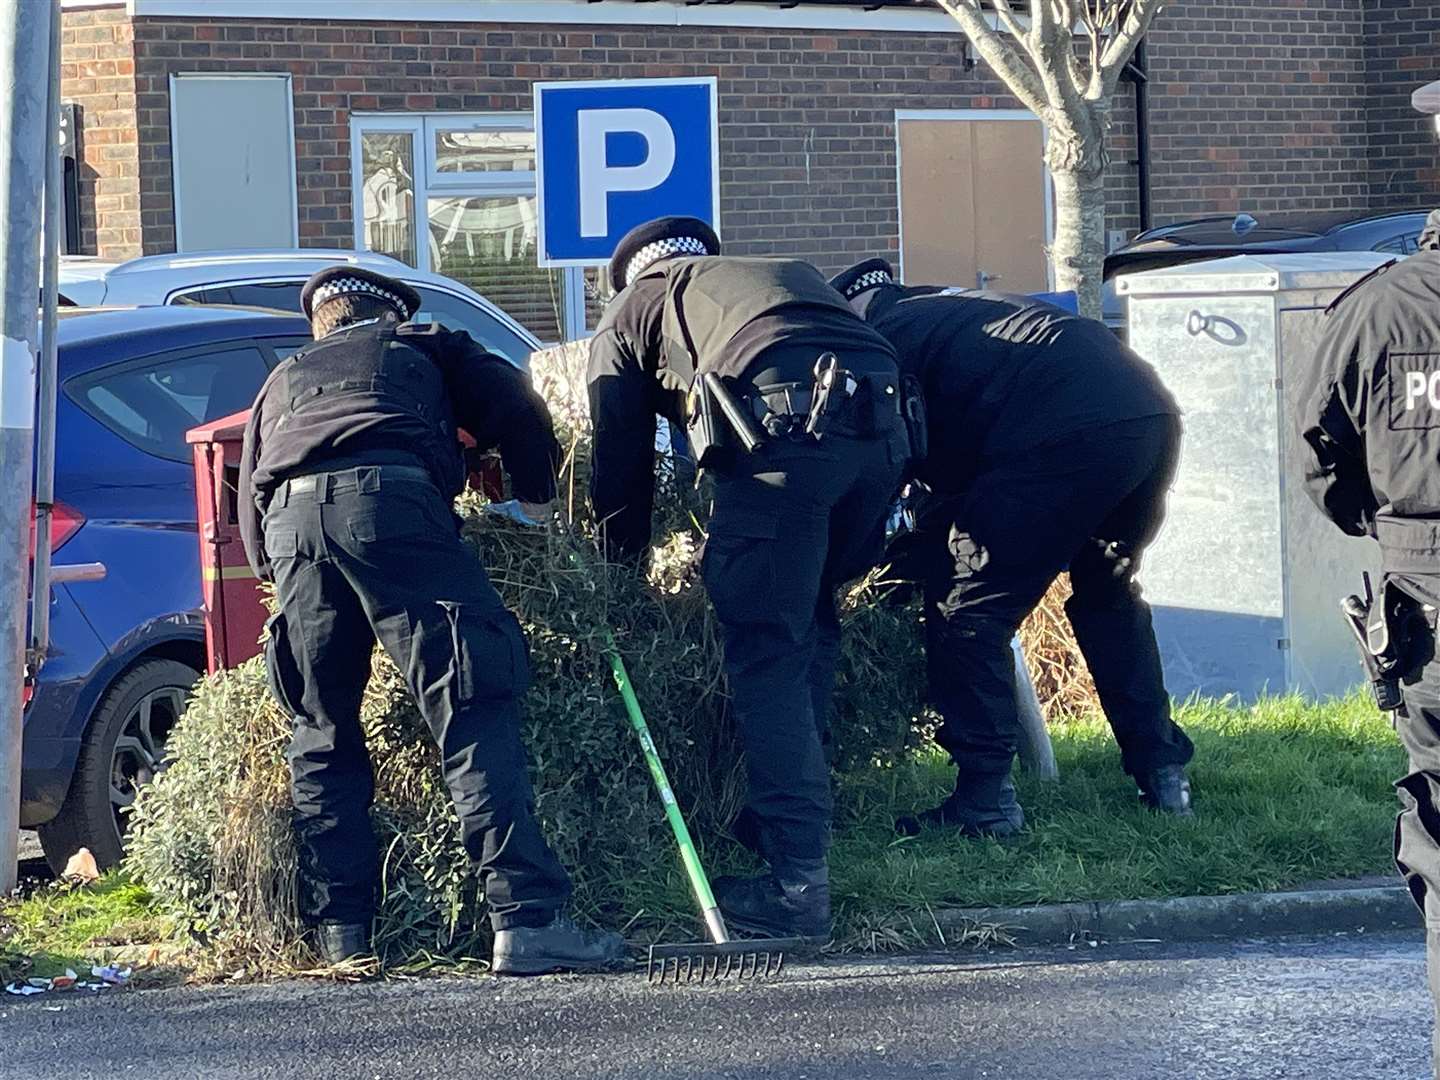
(975, 199)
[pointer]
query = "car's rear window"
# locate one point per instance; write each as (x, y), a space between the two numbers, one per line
(449, 310)
(152, 403)
(278, 295)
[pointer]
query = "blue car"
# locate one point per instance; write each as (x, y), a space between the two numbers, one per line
(126, 650)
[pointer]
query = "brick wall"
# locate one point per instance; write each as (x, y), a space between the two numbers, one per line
(1402, 45)
(97, 58)
(1256, 105)
(808, 154)
(1259, 105)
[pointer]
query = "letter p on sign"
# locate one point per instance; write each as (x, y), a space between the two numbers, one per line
(613, 155)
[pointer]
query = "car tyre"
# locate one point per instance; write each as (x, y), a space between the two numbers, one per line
(123, 748)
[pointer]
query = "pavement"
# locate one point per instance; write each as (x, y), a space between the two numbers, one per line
(1345, 1007)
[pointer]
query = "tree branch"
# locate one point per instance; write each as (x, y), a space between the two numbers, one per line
(1006, 14)
(1004, 58)
(1122, 45)
(1052, 46)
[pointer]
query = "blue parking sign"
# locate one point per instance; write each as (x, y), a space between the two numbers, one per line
(613, 155)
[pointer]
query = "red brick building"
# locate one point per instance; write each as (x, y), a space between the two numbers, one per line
(404, 124)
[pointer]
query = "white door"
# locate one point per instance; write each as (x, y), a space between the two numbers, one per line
(233, 153)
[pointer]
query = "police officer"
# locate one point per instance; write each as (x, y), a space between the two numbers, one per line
(790, 403)
(350, 465)
(1051, 447)
(1369, 425)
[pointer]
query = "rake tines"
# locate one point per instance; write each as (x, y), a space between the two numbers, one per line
(702, 962)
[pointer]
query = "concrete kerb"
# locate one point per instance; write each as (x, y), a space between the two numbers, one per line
(1198, 918)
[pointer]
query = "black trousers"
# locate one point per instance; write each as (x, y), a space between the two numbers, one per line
(372, 553)
(1089, 504)
(1417, 829)
(791, 523)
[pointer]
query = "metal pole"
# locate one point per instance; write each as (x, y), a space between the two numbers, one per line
(45, 399)
(24, 67)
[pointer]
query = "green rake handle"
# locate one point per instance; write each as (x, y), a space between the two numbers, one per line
(714, 921)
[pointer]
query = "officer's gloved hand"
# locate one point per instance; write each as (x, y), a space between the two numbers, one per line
(535, 515)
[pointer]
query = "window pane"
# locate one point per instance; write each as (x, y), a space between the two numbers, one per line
(275, 295)
(484, 151)
(388, 192)
(457, 313)
(152, 406)
(490, 244)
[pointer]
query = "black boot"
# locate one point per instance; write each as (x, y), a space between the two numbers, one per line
(793, 900)
(561, 946)
(1167, 790)
(339, 942)
(975, 810)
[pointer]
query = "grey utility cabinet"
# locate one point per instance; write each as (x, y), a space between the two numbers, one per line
(1246, 576)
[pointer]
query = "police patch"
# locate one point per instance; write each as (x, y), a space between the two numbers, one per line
(1414, 389)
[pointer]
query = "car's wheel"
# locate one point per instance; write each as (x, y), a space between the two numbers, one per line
(123, 749)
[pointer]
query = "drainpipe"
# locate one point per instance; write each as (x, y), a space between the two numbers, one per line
(1138, 72)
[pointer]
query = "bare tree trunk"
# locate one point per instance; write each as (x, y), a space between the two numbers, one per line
(1076, 156)
(1078, 253)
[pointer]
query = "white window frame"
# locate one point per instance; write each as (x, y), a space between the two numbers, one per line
(422, 128)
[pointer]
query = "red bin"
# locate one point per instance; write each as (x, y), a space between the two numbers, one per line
(234, 612)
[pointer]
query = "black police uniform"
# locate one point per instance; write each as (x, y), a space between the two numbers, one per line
(350, 465)
(1051, 447)
(1370, 424)
(791, 520)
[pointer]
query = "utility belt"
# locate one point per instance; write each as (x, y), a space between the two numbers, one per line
(726, 419)
(1396, 631)
(366, 479)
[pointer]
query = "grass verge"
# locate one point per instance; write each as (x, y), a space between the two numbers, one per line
(63, 926)
(1286, 793)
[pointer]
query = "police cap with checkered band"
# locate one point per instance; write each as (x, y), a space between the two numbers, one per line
(664, 238)
(336, 281)
(862, 277)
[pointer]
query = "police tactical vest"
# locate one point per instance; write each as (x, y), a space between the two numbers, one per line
(710, 300)
(1395, 337)
(368, 374)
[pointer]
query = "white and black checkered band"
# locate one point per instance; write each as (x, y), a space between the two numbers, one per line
(346, 285)
(650, 254)
(867, 281)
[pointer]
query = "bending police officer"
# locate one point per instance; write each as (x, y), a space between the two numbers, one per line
(1051, 447)
(1369, 425)
(790, 403)
(350, 464)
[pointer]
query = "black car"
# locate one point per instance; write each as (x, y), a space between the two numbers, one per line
(1395, 232)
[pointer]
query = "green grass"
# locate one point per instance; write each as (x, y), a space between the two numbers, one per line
(60, 926)
(1286, 793)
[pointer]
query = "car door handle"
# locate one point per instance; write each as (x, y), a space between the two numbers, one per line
(88, 571)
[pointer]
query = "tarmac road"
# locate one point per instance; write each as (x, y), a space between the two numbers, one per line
(1343, 1008)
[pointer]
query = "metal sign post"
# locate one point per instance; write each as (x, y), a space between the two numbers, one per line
(25, 35)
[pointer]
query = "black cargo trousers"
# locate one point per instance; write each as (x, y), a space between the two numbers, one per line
(1411, 558)
(1089, 503)
(792, 522)
(372, 553)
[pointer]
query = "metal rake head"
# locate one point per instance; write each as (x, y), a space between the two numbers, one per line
(701, 962)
